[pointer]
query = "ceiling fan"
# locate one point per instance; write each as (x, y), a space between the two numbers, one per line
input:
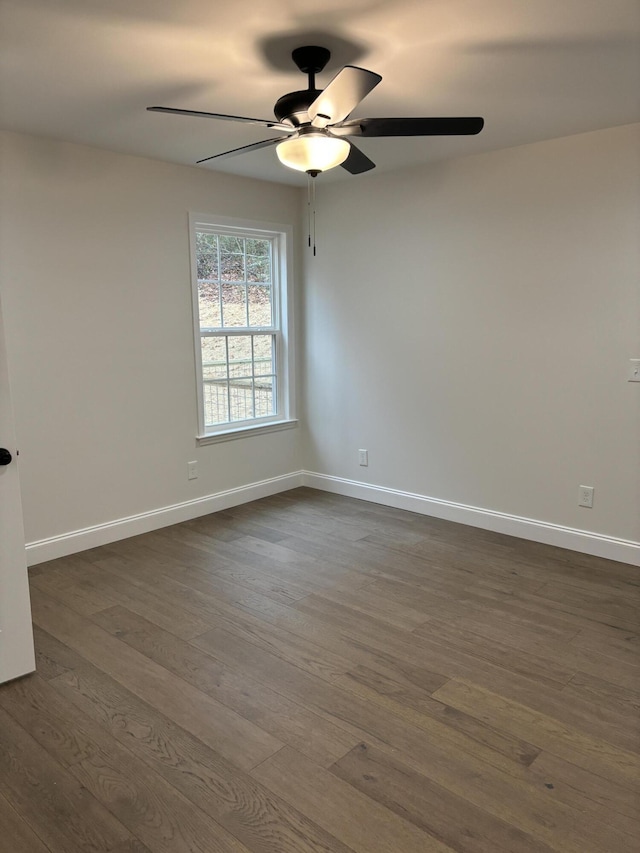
(316, 122)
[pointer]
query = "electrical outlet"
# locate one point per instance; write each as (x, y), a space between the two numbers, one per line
(585, 496)
(192, 470)
(363, 458)
(634, 370)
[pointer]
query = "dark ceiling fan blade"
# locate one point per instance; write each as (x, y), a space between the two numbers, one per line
(254, 147)
(342, 95)
(410, 127)
(275, 125)
(357, 162)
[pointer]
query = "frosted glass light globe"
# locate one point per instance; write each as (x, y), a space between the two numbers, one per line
(313, 152)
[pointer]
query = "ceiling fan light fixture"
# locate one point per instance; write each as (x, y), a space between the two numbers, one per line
(313, 151)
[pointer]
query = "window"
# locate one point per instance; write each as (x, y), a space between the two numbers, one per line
(241, 313)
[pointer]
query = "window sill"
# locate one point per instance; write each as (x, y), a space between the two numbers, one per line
(245, 432)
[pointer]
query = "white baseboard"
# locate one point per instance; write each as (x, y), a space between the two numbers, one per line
(622, 550)
(122, 528)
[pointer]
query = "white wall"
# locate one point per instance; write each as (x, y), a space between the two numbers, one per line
(96, 293)
(470, 324)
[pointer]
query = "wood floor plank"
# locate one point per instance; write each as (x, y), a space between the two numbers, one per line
(625, 647)
(134, 794)
(464, 664)
(593, 662)
(165, 820)
(416, 648)
(196, 591)
(577, 712)
(292, 512)
(451, 569)
(598, 756)
(360, 822)
(244, 808)
(328, 643)
(550, 611)
(361, 714)
(207, 719)
(539, 666)
(222, 524)
(604, 694)
(65, 733)
(62, 813)
(145, 601)
(476, 617)
(133, 846)
(17, 832)
(595, 599)
(197, 594)
(80, 595)
(402, 616)
(52, 657)
(588, 792)
(115, 579)
(288, 721)
(429, 806)
(420, 709)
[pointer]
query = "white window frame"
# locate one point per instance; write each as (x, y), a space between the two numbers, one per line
(282, 325)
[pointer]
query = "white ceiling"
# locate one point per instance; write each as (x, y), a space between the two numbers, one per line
(84, 71)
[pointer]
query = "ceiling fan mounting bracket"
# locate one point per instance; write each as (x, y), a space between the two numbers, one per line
(311, 59)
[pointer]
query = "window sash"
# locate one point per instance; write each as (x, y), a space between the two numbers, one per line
(234, 385)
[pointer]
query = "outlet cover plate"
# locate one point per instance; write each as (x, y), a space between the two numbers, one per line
(585, 496)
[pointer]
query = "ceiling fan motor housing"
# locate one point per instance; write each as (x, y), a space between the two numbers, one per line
(294, 106)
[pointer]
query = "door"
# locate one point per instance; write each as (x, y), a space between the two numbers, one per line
(16, 636)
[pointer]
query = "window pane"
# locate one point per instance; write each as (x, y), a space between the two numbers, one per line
(241, 399)
(206, 242)
(207, 266)
(231, 258)
(207, 256)
(214, 358)
(258, 247)
(215, 385)
(241, 385)
(209, 304)
(258, 260)
(264, 396)
(216, 403)
(240, 363)
(234, 305)
(259, 305)
(264, 354)
(231, 245)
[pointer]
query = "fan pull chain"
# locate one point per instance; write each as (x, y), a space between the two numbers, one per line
(311, 210)
(313, 199)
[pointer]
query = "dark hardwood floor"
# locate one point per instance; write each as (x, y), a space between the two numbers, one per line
(310, 673)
